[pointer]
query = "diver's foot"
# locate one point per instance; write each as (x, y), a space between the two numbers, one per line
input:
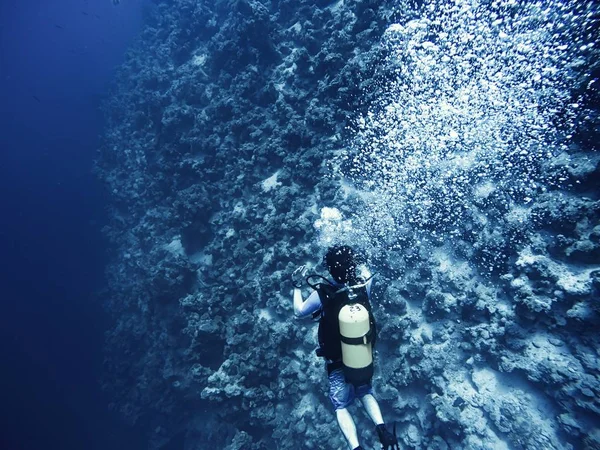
(389, 441)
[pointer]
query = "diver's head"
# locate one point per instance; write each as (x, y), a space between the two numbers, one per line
(341, 261)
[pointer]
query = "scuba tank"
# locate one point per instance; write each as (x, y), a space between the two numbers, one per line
(357, 348)
(346, 329)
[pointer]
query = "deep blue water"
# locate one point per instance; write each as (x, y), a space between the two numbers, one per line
(57, 60)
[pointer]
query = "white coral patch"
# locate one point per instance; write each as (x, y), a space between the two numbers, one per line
(175, 247)
(199, 60)
(332, 227)
(271, 182)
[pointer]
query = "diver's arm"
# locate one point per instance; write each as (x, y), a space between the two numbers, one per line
(305, 308)
(298, 302)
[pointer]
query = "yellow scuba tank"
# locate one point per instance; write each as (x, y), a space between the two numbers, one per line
(356, 337)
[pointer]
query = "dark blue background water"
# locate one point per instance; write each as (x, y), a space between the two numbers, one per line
(64, 53)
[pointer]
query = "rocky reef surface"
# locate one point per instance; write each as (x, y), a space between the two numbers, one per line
(454, 143)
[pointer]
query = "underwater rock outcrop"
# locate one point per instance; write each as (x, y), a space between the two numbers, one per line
(222, 147)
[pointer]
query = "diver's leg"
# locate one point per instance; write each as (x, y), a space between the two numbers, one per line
(341, 395)
(347, 426)
(372, 408)
(387, 439)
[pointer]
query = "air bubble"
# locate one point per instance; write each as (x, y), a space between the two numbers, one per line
(473, 124)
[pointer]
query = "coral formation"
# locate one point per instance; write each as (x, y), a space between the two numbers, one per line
(224, 133)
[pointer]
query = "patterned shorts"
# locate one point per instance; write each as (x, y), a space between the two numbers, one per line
(343, 394)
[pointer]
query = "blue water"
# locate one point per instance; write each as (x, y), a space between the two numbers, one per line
(57, 60)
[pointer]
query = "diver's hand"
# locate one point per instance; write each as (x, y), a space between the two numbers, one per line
(388, 440)
(298, 276)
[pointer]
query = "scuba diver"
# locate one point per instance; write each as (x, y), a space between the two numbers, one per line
(346, 336)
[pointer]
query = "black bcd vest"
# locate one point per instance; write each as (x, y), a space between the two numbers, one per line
(333, 299)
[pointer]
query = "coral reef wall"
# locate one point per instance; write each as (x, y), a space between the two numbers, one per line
(234, 129)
